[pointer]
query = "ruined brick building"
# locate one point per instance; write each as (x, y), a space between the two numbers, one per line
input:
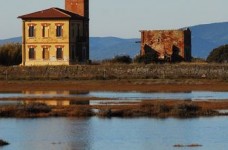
(167, 45)
(56, 36)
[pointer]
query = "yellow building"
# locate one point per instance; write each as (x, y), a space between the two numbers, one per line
(54, 37)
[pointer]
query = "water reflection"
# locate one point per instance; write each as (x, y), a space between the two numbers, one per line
(37, 134)
(192, 95)
(112, 134)
(57, 102)
(47, 102)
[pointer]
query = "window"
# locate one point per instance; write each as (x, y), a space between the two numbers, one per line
(31, 53)
(59, 53)
(59, 31)
(31, 31)
(45, 53)
(45, 31)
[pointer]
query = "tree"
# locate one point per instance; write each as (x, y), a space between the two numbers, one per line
(219, 55)
(147, 58)
(121, 59)
(10, 54)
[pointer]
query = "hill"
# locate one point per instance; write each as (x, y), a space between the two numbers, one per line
(108, 47)
(204, 38)
(207, 37)
(15, 40)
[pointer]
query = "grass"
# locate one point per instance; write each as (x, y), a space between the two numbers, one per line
(158, 109)
(116, 71)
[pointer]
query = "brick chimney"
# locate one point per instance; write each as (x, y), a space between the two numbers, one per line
(80, 7)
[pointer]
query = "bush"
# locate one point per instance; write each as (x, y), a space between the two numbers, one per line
(10, 54)
(37, 108)
(186, 110)
(219, 55)
(79, 111)
(146, 59)
(125, 59)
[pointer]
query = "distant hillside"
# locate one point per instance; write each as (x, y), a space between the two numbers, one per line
(207, 37)
(15, 39)
(108, 47)
(204, 38)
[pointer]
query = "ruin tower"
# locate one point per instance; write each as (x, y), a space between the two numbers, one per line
(81, 7)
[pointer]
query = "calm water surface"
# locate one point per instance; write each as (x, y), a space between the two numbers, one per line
(114, 134)
(192, 95)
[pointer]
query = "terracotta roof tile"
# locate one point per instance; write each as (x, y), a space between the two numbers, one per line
(52, 13)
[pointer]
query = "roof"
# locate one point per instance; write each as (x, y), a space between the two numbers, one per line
(52, 13)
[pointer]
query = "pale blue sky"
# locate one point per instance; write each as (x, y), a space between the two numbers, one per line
(122, 18)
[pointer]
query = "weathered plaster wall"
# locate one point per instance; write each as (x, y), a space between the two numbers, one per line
(166, 42)
(38, 42)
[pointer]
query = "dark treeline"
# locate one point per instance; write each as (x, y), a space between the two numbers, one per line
(10, 54)
(219, 55)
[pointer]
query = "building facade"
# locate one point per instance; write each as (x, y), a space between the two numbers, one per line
(168, 45)
(81, 7)
(55, 37)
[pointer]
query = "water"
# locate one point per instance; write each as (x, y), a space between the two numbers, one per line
(114, 134)
(192, 95)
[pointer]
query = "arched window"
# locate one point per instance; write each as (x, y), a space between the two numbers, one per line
(45, 53)
(31, 53)
(59, 53)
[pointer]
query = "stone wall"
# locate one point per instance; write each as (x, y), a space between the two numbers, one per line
(97, 72)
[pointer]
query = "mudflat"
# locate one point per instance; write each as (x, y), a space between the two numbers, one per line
(118, 85)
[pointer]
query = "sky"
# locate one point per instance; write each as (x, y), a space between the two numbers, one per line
(122, 18)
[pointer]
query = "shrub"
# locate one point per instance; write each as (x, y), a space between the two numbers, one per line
(122, 59)
(118, 59)
(219, 55)
(37, 108)
(104, 113)
(10, 54)
(146, 59)
(186, 110)
(7, 111)
(80, 111)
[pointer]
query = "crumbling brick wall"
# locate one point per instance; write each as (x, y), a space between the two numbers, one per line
(169, 45)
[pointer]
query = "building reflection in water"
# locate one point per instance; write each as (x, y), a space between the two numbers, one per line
(57, 102)
(55, 93)
(62, 97)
